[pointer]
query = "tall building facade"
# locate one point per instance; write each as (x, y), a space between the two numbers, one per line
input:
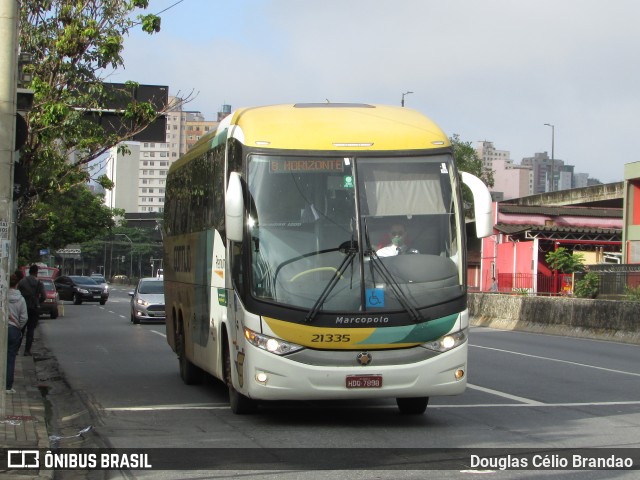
(546, 172)
(513, 181)
(509, 180)
(140, 175)
(537, 174)
(488, 153)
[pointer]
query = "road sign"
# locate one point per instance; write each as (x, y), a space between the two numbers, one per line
(64, 251)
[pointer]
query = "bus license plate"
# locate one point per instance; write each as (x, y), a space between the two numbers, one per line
(364, 381)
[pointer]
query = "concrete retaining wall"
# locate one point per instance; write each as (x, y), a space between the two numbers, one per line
(599, 319)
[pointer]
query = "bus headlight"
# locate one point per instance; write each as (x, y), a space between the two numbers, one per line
(270, 344)
(448, 341)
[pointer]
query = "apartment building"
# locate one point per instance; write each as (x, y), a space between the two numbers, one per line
(195, 127)
(140, 175)
(509, 180)
(546, 172)
(488, 153)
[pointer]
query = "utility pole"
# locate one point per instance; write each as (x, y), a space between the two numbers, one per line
(403, 95)
(8, 61)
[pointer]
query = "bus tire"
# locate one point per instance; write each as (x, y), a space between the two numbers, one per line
(240, 404)
(190, 374)
(412, 406)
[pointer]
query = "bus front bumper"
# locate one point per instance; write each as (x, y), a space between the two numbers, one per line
(265, 376)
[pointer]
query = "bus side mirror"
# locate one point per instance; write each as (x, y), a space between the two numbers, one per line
(234, 208)
(482, 204)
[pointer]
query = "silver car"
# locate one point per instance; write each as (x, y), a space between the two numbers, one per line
(147, 301)
(100, 280)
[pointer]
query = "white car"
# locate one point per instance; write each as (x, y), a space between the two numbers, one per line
(147, 301)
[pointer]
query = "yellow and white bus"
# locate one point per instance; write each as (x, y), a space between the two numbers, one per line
(317, 251)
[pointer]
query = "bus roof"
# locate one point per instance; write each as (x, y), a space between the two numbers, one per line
(327, 126)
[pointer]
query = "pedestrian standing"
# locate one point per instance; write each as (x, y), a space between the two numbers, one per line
(18, 317)
(33, 292)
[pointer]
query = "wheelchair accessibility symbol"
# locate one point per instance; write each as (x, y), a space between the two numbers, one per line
(375, 297)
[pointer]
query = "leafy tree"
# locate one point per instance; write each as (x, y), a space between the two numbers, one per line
(564, 261)
(76, 216)
(468, 161)
(74, 45)
(106, 249)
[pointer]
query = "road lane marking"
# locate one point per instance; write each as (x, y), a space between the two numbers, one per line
(208, 406)
(504, 395)
(560, 361)
(158, 333)
(541, 405)
(150, 408)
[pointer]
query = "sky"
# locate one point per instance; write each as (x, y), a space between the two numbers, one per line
(495, 70)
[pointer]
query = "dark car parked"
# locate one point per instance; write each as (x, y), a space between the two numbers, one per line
(50, 305)
(81, 289)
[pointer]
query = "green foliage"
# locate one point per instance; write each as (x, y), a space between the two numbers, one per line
(468, 161)
(588, 286)
(565, 261)
(521, 291)
(150, 23)
(71, 43)
(113, 245)
(75, 217)
(632, 293)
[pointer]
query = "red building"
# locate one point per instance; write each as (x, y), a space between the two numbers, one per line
(524, 234)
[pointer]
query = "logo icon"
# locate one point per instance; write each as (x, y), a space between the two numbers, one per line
(23, 459)
(364, 358)
(375, 297)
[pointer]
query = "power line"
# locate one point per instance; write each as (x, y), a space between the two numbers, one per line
(170, 7)
(162, 11)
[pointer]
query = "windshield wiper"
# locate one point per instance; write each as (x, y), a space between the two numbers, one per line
(350, 248)
(378, 264)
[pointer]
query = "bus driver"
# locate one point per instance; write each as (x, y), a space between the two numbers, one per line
(398, 245)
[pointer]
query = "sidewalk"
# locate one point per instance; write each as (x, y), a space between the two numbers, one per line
(23, 425)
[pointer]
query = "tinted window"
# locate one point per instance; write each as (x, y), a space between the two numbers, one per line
(84, 280)
(151, 286)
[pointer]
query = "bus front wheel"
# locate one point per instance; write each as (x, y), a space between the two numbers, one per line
(240, 404)
(412, 406)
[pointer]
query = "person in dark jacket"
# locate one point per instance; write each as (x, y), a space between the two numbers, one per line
(34, 293)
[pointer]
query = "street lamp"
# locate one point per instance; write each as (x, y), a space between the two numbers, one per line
(405, 93)
(553, 140)
(130, 254)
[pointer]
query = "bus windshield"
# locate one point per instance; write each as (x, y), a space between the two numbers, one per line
(354, 234)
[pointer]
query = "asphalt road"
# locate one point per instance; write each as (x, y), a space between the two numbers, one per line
(526, 391)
